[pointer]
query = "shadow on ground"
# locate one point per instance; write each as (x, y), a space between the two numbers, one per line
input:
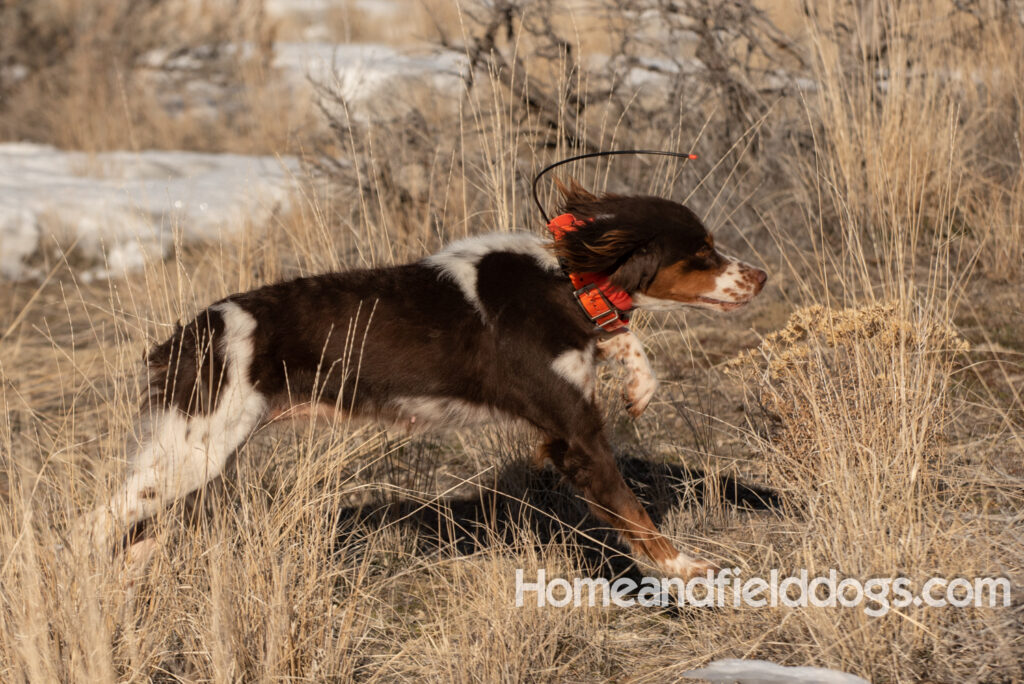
(520, 502)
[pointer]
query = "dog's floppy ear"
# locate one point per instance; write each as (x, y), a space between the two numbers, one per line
(606, 243)
(638, 270)
(629, 259)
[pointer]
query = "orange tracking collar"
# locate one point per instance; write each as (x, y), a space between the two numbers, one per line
(606, 305)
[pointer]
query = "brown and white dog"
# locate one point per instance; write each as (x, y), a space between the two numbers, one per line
(496, 325)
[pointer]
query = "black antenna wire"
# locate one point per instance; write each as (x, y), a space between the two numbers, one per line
(589, 155)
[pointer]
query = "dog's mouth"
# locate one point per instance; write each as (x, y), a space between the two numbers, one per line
(642, 301)
(722, 305)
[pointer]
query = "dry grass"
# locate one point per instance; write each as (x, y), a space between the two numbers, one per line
(890, 221)
(88, 75)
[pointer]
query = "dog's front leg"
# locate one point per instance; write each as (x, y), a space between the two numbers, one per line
(626, 350)
(576, 444)
(587, 463)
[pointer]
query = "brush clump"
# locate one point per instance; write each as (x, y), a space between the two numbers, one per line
(857, 411)
(847, 386)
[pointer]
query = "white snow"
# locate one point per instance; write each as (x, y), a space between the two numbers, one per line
(372, 78)
(737, 671)
(120, 208)
(280, 9)
(362, 73)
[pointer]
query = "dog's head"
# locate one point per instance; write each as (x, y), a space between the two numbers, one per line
(656, 250)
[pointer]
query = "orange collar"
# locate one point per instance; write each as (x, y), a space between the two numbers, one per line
(606, 305)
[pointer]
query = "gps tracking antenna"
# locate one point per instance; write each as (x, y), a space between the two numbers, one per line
(609, 153)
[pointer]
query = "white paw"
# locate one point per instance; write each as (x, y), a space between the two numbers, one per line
(639, 391)
(684, 567)
(137, 559)
(94, 530)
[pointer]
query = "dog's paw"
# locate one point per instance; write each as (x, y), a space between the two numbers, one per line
(93, 531)
(137, 559)
(685, 568)
(639, 391)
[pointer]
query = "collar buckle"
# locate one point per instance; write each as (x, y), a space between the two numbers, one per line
(601, 312)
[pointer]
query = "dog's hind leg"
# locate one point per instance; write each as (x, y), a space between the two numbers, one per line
(181, 452)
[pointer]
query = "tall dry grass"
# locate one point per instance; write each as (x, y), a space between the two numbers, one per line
(122, 75)
(888, 197)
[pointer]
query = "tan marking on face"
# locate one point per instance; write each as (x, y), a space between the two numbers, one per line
(677, 283)
(724, 288)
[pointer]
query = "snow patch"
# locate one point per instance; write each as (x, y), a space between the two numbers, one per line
(738, 671)
(120, 208)
(364, 72)
(283, 9)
